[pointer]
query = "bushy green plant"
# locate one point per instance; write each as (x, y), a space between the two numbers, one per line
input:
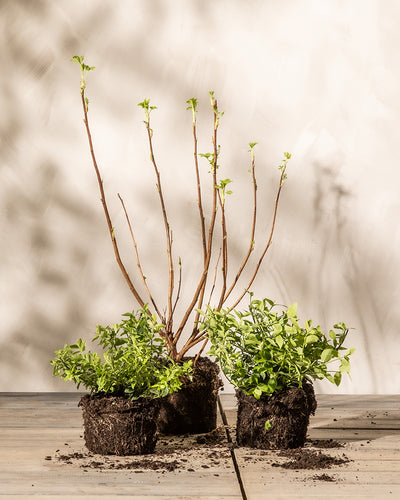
(135, 360)
(262, 349)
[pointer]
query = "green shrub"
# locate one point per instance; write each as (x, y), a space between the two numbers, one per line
(134, 362)
(263, 350)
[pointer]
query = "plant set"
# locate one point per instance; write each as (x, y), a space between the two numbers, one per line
(214, 285)
(272, 361)
(265, 354)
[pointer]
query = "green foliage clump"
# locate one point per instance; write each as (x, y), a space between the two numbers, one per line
(263, 350)
(134, 361)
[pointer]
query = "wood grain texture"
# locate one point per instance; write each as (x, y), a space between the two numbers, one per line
(36, 426)
(369, 429)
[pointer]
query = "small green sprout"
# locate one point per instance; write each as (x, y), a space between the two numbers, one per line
(282, 166)
(84, 68)
(193, 107)
(222, 189)
(145, 104)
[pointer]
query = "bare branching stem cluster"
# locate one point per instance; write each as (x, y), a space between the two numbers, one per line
(170, 333)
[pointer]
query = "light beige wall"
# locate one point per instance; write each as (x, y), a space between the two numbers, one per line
(318, 79)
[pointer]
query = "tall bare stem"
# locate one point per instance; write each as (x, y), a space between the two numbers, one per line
(168, 233)
(253, 226)
(269, 241)
(199, 293)
(139, 266)
(104, 203)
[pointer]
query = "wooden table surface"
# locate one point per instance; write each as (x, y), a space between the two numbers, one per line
(42, 454)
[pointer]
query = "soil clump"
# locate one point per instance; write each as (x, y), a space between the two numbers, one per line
(116, 425)
(288, 412)
(193, 409)
(309, 459)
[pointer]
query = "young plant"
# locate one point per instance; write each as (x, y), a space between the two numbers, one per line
(264, 349)
(223, 288)
(134, 360)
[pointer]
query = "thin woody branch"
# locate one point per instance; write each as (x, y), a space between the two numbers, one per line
(139, 266)
(166, 223)
(193, 105)
(215, 278)
(253, 227)
(179, 288)
(104, 203)
(269, 241)
(199, 293)
(224, 250)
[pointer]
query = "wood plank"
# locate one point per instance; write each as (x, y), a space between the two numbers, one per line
(373, 448)
(36, 427)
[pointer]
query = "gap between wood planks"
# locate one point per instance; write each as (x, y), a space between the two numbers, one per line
(232, 450)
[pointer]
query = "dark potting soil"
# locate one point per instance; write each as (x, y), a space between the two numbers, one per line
(323, 477)
(309, 459)
(288, 412)
(116, 425)
(193, 409)
(325, 443)
(216, 436)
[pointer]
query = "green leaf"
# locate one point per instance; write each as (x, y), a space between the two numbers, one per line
(267, 425)
(257, 392)
(332, 334)
(292, 310)
(337, 378)
(330, 378)
(310, 339)
(344, 366)
(192, 104)
(279, 341)
(326, 355)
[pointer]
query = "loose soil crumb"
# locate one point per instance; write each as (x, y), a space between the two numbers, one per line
(323, 477)
(147, 464)
(217, 436)
(325, 443)
(309, 459)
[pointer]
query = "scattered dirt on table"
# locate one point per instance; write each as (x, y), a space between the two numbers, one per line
(325, 443)
(302, 458)
(172, 453)
(323, 477)
(217, 436)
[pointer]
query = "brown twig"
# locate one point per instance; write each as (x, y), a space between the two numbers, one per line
(199, 293)
(199, 196)
(253, 229)
(162, 318)
(105, 207)
(201, 350)
(179, 290)
(269, 241)
(224, 250)
(215, 278)
(166, 224)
